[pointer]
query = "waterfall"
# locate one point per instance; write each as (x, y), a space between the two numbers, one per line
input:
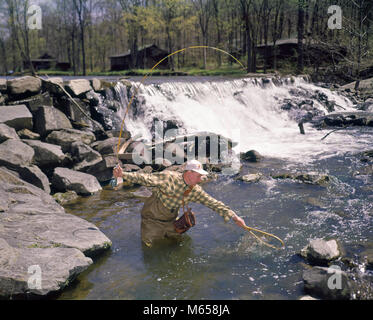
(259, 114)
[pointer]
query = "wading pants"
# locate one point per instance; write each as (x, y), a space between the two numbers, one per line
(157, 221)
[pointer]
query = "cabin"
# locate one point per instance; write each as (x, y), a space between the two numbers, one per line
(46, 62)
(314, 53)
(147, 57)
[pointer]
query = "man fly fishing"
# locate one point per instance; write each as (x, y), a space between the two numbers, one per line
(173, 190)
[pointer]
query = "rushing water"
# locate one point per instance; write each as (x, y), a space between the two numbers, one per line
(218, 260)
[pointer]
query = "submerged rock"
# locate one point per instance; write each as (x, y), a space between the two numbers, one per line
(308, 178)
(251, 156)
(327, 283)
(65, 197)
(250, 178)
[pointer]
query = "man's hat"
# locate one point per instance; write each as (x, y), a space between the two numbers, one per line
(196, 166)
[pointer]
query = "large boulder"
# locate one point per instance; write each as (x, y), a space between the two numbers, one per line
(52, 230)
(66, 137)
(327, 283)
(35, 176)
(15, 153)
(103, 170)
(46, 154)
(7, 132)
(66, 179)
(108, 146)
(24, 85)
(35, 102)
(78, 86)
(3, 85)
(18, 195)
(53, 85)
(84, 155)
(57, 267)
(17, 117)
(48, 119)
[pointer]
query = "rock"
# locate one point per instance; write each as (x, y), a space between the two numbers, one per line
(313, 178)
(78, 87)
(103, 170)
(327, 283)
(48, 119)
(319, 251)
(66, 137)
(15, 153)
(96, 84)
(251, 156)
(7, 132)
(46, 154)
(251, 178)
(93, 98)
(84, 155)
(35, 230)
(35, 176)
(51, 230)
(28, 134)
(57, 268)
(17, 117)
(107, 146)
(3, 85)
(20, 196)
(66, 179)
(308, 178)
(65, 197)
(51, 85)
(307, 298)
(24, 85)
(35, 102)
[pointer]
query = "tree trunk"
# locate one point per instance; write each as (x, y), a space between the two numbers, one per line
(300, 65)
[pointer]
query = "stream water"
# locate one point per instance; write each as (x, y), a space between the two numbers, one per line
(217, 260)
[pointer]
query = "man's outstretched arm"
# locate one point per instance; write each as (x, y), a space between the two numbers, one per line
(219, 207)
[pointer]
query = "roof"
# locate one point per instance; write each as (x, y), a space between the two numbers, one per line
(139, 49)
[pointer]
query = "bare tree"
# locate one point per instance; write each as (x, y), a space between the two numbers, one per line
(203, 8)
(301, 8)
(18, 24)
(82, 11)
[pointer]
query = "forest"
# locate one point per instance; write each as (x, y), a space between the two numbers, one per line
(287, 36)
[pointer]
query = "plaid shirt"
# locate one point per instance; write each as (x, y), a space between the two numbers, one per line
(172, 187)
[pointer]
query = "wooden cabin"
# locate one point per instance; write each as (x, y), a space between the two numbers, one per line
(147, 57)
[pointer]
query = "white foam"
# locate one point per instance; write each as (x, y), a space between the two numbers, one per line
(240, 109)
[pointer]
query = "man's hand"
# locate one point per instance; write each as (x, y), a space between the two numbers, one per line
(117, 171)
(239, 221)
